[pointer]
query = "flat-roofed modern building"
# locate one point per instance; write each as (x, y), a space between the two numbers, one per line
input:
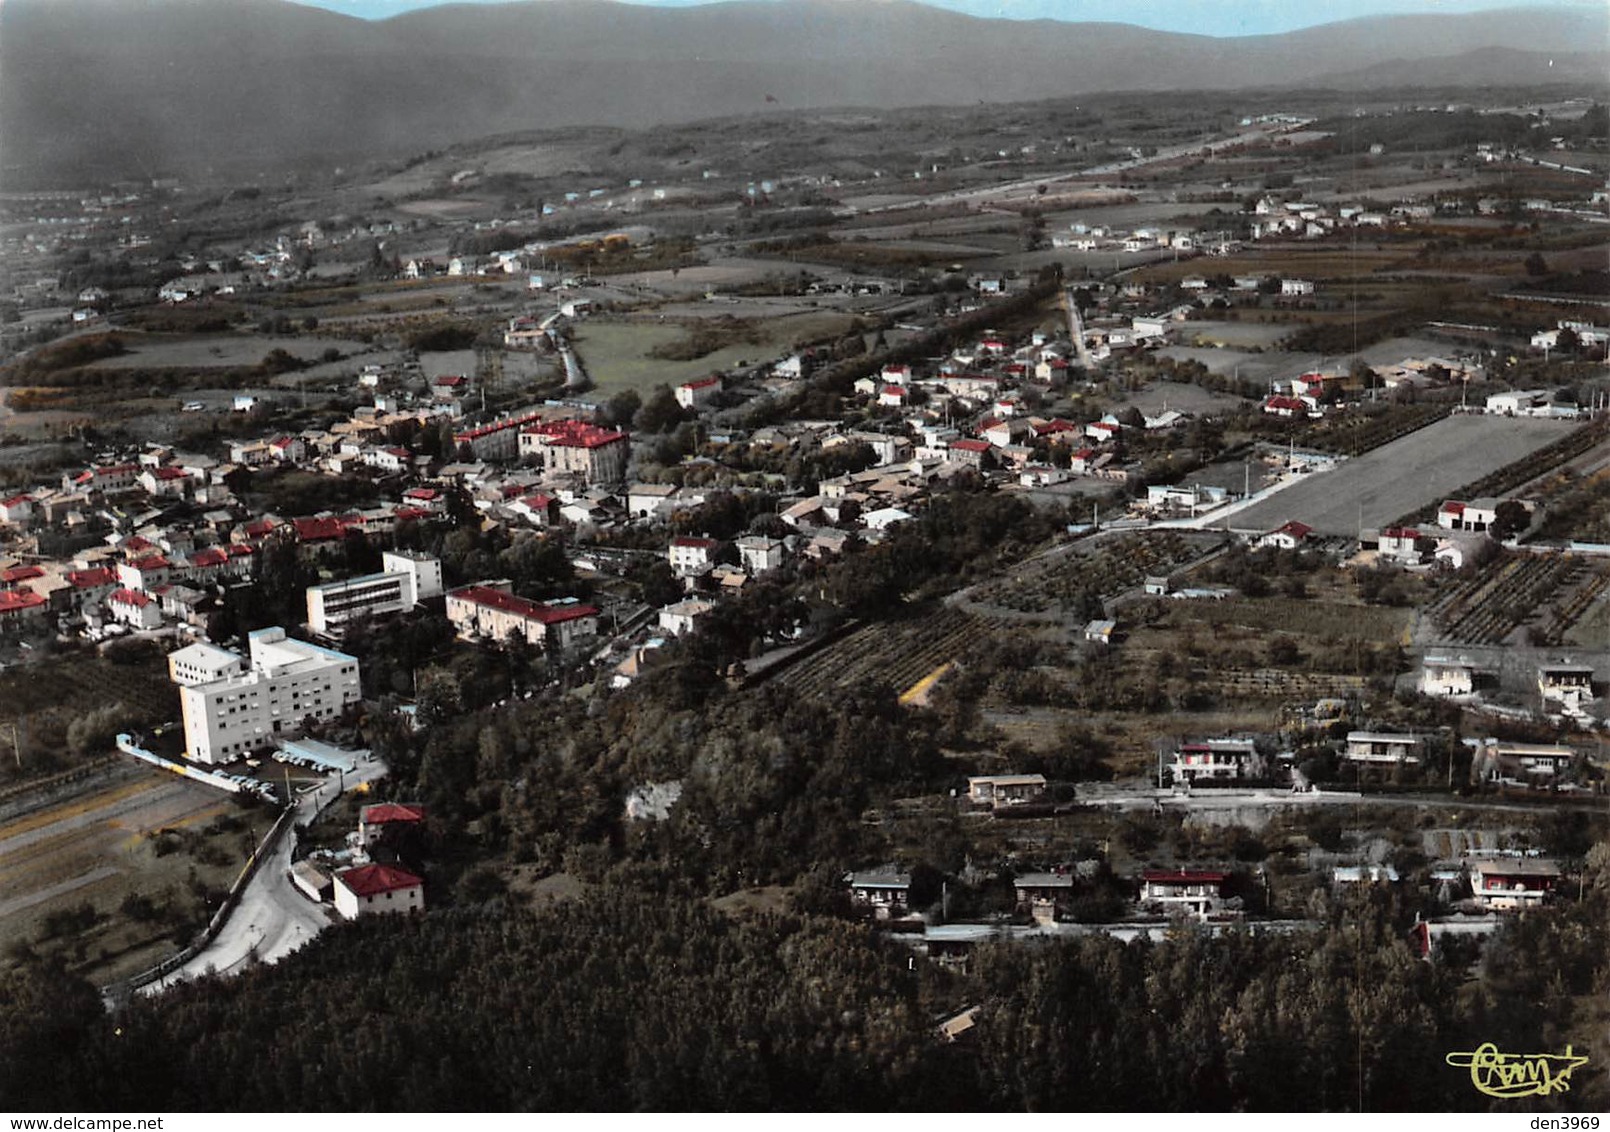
(202, 664)
(286, 683)
(407, 580)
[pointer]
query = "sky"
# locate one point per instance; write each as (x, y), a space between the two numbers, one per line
(1202, 17)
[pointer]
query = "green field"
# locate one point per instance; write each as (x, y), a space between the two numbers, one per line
(616, 354)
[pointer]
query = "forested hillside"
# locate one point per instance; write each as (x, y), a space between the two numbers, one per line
(629, 1001)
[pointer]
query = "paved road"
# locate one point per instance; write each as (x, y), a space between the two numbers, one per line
(273, 918)
(1145, 796)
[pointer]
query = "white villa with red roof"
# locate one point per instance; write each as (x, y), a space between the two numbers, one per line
(371, 889)
(490, 611)
(1455, 515)
(697, 393)
(17, 510)
(167, 482)
(1288, 536)
(135, 609)
(690, 556)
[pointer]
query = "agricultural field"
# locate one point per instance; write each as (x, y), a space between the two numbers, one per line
(1066, 581)
(896, 654)
(43, 700)
(616, 353)
(1415, 471)
(1547, 593)
(111, 879)
(206, 351)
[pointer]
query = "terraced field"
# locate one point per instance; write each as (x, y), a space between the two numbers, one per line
(894, 654)
(1103, 569)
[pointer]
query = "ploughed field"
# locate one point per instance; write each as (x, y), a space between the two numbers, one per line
(1425, 467)
(68, 871)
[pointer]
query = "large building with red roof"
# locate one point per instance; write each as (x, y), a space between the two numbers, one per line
(598, 455)
(489, 611)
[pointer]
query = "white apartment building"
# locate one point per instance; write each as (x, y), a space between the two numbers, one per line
(408, 579)
(202, 664)
(247, 708)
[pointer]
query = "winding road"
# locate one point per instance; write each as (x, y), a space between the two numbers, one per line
(273, 917)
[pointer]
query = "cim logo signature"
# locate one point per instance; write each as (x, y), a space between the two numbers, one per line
(1509, 1076)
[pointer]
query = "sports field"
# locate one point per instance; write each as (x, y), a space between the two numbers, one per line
(1424, 467)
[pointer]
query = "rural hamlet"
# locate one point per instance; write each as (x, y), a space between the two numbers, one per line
(778, 556)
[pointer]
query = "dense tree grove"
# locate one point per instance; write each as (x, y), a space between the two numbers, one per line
(624, 1000)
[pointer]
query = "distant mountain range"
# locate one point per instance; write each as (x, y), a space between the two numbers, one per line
(103, 87)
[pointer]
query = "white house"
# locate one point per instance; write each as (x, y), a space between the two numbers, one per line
(682, 617)
(1447, 676)
(1372, 748)
(371, 889)
(697, 393)
(759, 554)
(995, 790)
(1218, 760)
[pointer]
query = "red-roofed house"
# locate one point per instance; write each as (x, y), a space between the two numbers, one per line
(692, 556)
(15, 575)
(144, 573)
(969, 452)
(91, 586)
(20, 605)
(369, 889)
(288, 449)
(539, 509)
(1287, 536)
(166, 482)
(425, 499)
(499, 440)
(1282, 406)
(1058, 430)
(134, 609)
(109, 477)
(893, 396)
(254, 531)
(321, 533)
(18, 510)
(374, 822)
(694, 394)
(1196, 891)
(490, 611)
(1102, 431)
(1457, 516)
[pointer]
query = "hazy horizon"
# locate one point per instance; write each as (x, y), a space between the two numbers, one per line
(1197, 17)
